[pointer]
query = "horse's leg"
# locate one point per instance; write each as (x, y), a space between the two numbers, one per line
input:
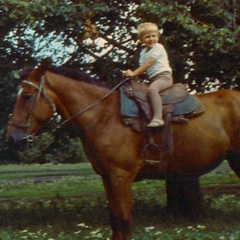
(234, 162)
(184, 196)
(119, 195)
(173, 196)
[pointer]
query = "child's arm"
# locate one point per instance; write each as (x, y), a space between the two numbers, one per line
(141, 69)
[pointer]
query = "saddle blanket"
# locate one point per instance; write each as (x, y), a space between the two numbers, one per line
(130, 107)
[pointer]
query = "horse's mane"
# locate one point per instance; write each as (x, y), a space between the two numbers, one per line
(75, 74)
(71, 73)
(67, 72)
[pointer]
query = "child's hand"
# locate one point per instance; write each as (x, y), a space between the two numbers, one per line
(128, 73)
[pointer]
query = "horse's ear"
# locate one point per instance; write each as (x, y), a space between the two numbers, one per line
(45, 63)
(42, 68)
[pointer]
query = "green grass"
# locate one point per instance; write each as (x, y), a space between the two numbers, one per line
(26, 171)
(74, 207)
(66, 186)
(86, 218)
(19, 181)
(74, 180)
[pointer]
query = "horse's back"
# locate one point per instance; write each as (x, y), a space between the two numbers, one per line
(207, 138)
(227, 97)
(223, 104)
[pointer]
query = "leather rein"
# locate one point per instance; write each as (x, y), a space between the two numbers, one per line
(55, 119)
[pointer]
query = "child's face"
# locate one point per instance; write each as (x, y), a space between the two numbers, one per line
(150, 38)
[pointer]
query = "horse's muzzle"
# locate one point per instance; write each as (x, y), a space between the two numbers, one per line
(16, 139)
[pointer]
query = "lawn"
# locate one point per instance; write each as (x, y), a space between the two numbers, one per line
(68, 202)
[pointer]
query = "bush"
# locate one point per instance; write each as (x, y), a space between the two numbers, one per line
(48, 149)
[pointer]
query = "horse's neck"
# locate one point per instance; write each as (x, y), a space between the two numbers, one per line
(75, 96)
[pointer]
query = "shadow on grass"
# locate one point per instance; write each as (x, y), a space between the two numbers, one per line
(62, 213)
(67, 213)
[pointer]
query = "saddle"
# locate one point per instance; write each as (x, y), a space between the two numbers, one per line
(176, 101)
(178, 106)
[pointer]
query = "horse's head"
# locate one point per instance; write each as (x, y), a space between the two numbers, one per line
(34, 105)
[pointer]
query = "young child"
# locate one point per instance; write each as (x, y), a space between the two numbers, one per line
(153, 60)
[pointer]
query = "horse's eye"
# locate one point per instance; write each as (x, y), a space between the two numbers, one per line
(27, 96)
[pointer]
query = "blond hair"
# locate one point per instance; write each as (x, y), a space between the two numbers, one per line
(147, 27)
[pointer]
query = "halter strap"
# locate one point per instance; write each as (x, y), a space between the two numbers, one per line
(32, 84)
(41, 90)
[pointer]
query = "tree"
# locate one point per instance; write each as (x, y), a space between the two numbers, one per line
(99, 37)
(203, 38)
(35, 29)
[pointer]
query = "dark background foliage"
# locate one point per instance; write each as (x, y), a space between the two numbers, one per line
(99, 37)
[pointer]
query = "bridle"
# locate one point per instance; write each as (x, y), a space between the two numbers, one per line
(55, 119)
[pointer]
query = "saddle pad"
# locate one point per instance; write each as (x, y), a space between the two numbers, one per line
(129, 107)
(185, 107)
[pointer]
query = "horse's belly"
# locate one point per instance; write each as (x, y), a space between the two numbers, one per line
(198, 150)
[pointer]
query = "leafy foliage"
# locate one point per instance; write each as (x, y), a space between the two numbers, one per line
(99, 37)
(203, 38)
(46, 149)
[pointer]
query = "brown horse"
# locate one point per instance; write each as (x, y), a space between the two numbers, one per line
(115, 150)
